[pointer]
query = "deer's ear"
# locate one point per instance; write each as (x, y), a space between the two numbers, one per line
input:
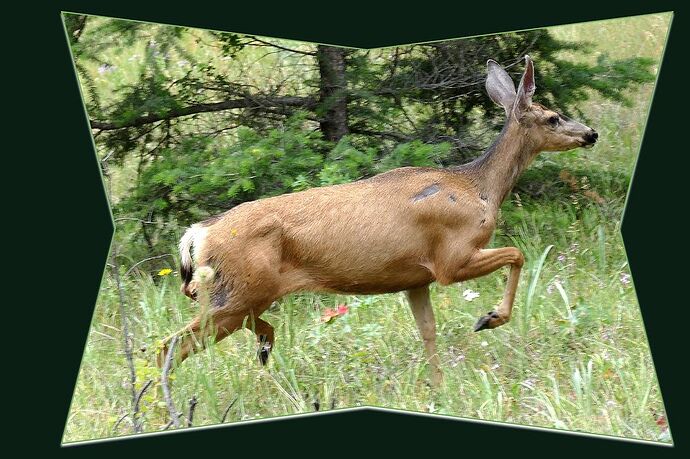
(526, 88)
(499, 85)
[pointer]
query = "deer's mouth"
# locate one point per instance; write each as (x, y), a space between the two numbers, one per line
(588, 142)
(590, 139)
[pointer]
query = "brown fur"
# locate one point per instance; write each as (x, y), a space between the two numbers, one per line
(398, 231)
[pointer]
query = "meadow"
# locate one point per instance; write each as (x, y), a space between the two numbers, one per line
(574, 356)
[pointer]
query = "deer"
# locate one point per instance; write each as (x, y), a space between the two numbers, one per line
(398, 231)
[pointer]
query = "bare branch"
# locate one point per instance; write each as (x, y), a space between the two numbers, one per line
(266, 43)
(256, 102)
(174, 414)
(141, 393)
(145, 260)
(122, 418)
(400, 137)
(127, 342)
(227, 410)
(192, 404)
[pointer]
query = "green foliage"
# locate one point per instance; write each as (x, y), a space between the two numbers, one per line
(415, 153)
(186, 180)
(231, 43)
(345, 163)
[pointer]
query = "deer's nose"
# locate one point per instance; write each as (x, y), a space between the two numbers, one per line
(591, 136)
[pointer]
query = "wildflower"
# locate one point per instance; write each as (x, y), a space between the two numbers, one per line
(165, 272)
(455, 361)
(625, 278)
(661, 421)
(330, 314)
(483, 344)
(495, 366)
(470, 295)
(561, 258)
(105, 68)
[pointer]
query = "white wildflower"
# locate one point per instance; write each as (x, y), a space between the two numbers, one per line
(470, 295)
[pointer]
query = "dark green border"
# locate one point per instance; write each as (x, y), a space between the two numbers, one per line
(59, 210)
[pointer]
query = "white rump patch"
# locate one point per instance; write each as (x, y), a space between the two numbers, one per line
(191, 243)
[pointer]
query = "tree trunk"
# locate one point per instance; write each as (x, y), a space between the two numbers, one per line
(332, 92)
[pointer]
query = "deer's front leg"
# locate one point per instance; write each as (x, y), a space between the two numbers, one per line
(487, 261)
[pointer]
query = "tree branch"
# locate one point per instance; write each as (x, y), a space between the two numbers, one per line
(192, 404)
(80, 28)
(127, 342)
(227, 410)
(267, 43)
(246, 102)
(174, 414)
(148, 259)
(399, 136)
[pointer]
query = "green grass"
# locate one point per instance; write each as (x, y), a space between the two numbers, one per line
(574, 356)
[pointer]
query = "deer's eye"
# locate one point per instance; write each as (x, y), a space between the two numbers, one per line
(553, 121)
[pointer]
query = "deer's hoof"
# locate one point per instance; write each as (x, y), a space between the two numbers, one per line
(263, 356)
(488, 321)
(264, 351)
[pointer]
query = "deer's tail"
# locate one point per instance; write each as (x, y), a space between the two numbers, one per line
(190, 242)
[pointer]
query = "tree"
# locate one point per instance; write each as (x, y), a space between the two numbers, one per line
(333, 121)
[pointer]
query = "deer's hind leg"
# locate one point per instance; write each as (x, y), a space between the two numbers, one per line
(265, 336)
(214, 326)
(225, 310)
(420, 303)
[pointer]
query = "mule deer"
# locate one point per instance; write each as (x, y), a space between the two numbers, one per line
(398, 231)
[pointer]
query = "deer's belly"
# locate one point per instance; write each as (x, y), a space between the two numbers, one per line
(394, 280)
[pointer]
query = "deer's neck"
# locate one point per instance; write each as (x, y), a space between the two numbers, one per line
(496, 171)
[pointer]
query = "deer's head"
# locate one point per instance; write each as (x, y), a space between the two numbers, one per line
(549, 130)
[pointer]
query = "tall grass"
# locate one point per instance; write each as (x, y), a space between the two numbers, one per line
(574, 356)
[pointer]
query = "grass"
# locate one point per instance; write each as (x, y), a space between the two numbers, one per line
(574, 356)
